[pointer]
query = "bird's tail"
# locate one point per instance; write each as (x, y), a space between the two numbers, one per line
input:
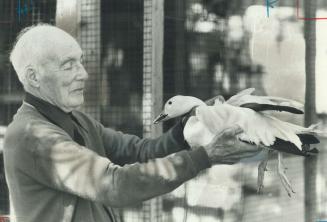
(309, 134)
(316, 129)
(288, 147)
(300, 137)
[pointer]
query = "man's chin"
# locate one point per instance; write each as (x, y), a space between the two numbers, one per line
(78, 105)
(74, 105)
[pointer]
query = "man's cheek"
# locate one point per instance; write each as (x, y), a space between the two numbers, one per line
(67, 80)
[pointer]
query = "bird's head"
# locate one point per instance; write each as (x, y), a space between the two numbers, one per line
(178, 106)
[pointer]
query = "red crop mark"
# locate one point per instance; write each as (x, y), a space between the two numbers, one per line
(4, 218)
(303, 18)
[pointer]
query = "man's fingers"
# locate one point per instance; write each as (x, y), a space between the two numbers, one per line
(232, 131)
(211, 101)
(228, 135)
(220, 98)
(249, 154)
(246, 147)
(238, 130)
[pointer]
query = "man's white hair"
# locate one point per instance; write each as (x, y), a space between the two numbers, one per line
(28, 48)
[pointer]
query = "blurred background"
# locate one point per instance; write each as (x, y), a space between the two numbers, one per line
(140, 53)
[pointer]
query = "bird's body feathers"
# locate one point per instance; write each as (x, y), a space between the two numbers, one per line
(259, 128)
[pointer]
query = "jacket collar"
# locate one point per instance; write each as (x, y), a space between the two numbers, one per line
(52, 113)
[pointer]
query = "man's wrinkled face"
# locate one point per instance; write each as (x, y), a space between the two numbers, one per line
(62, 79)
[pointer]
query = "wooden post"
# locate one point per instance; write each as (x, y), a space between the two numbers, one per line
(152, 85)
(152, 65)
(68, 16)
(310, 163)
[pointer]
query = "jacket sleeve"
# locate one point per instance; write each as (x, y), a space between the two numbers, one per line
(50, 157)
(124, 148)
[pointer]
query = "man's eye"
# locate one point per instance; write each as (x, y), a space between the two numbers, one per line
(68, 65)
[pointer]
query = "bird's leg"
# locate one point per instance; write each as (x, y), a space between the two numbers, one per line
(262, 168)
(281, 173)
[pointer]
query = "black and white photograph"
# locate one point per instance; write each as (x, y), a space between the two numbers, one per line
(163, 110)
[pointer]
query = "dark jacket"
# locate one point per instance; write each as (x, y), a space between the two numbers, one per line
(52, 178)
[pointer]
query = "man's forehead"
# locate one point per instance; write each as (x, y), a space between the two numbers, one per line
(64, 49)
(70, 52)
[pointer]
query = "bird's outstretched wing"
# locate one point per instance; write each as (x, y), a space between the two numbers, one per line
(259, 128)
(264, 103)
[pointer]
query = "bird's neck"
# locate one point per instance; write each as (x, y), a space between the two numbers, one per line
(194, 102)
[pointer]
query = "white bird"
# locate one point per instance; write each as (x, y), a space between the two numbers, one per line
(248, 112)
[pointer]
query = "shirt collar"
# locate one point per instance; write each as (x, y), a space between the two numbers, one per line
(52, 113)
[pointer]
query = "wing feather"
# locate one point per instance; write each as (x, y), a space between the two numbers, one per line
(259, 128)
(262, 103)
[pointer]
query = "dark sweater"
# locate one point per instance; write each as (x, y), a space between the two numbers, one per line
(52, 178)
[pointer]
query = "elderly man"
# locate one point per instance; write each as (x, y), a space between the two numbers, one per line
(62, 165)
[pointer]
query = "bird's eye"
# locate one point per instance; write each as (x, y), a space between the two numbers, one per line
(169, 102)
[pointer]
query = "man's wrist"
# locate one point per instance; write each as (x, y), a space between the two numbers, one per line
(212, 153)
(200, 158)
(216, 153)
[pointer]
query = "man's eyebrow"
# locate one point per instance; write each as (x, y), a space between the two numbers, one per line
(70, 58)
(67, 59)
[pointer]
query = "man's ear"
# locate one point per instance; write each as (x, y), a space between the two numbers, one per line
(32, 78)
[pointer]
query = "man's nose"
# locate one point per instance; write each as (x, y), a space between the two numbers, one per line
(82, 73)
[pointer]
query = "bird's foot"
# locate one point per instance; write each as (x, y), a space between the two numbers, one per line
(261, 174)
(262, 168)
(281, 170)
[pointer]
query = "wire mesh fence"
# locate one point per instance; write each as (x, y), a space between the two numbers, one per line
(122, 62)
(14, 16)
(217, 42)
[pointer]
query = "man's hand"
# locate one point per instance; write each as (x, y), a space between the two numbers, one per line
(211, 102)
(225, 148)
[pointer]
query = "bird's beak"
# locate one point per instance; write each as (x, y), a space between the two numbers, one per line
(160, 118)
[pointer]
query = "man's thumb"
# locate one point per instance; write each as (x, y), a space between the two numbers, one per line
(232, 131)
